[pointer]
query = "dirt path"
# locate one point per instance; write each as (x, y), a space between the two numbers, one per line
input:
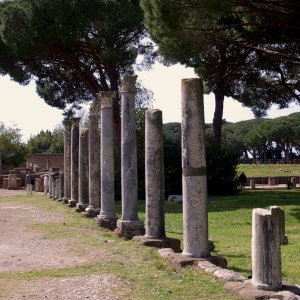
(23, 249)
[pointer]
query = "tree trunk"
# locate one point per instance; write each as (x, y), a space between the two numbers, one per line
(218, 114)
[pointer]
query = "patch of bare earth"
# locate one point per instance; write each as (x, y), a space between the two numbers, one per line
(23, 249)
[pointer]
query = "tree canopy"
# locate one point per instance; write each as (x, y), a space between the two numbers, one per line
(223, 42)
(72, 49)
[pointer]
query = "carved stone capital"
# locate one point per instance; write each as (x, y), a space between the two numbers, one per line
(107, 98)
(95, 106)
(128, 84)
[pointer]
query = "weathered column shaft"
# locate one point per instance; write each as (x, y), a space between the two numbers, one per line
(56, 194)
(154, 174)
(93, 208)
(107, 216)
(83, 196)
(266, 257)
(194, 177)
(61, 186)
(129, 225)
(51, 178)
(74, 161)
(67, 160)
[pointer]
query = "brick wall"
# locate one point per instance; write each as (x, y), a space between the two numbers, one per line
(41, 160)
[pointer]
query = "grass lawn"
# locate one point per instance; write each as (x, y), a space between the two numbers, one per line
(263, 170)
(146, 273)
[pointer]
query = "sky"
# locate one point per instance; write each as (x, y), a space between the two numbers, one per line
(22, 108)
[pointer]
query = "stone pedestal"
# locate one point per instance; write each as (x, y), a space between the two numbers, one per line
(194, 176)
(107, 217)
(83, 197)
(252, 184)
(37, 182)
(74, 162)
(154, 175)
(93, 208)
(271, 181)
(67, 160)
(266, 256)
(12, 182)
(129, 225)
(61, 186)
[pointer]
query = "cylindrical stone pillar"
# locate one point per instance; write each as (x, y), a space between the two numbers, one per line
(93, 208)
(74, 161)
(252, 184)
(129, 225)
(194, 177)
(294, 182)
(154, 174)
(61, 186)
(51, 178)
(266, 257)
(37, 185)
(53, 187)
(56, 194)
(67, 160)
(107, 217)
(83, 196)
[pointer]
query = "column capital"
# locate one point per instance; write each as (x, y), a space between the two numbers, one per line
(106, 98)
(67, 122)
(75, 120)
(96, 106)
(128, 84)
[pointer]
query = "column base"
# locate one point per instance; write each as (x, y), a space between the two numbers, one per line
(129, 229)
(60, 199)
(91, 212)
(72, 203)
(163, 242)
(109, 223)
(80, 207)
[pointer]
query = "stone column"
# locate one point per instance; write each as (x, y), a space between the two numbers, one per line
(154, 174)
(294, 182)
(74, 161)
(94, 161)
(67, 160)
(266, 257)
(53, 187)
(107, 217)
(194, 177)
(61, 186)
(51, 179)
(129, 225)
(37, 185)
(83, 196)
(56, 194)
(252, 184)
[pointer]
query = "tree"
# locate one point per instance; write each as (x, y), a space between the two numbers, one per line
(200, 34)
(13, 150)
(72, 49)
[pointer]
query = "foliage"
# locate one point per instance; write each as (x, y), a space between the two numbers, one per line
(207, 35)
(265, 139)
(47, 141)
(13, 151)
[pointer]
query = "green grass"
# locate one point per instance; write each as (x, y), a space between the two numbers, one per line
(264, 170)
(147, 275)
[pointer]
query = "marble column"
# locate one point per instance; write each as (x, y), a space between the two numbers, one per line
(67, 160)
(266, 256)
(51, 179)
(155, 185)
(61, 186)
(83, 196)
(107, 217)
(93, 208)
(53, 187)
(154, 174)
(74, 161)
(129, 225)
(194, 177)
(56, 193)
